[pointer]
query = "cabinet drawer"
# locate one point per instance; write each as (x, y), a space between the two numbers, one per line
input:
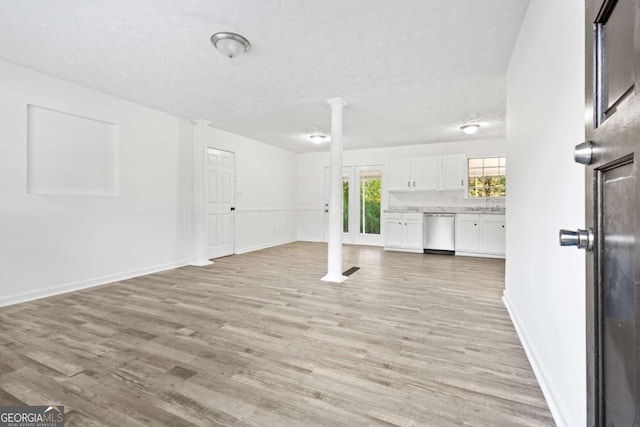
(493, 218)
(467, 217)
(412, 216)
(397, 216)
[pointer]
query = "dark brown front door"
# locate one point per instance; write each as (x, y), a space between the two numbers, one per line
(613, 209)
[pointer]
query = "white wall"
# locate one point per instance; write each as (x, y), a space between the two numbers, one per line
(265, 191)
(310, 178)
(544, 282)
(54, 243)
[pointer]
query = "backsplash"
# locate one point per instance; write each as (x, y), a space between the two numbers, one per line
(439, 199)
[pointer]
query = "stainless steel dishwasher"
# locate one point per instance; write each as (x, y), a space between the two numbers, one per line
(439, 232)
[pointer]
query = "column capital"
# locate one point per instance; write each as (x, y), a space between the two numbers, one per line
(201, 122)
(334, 102)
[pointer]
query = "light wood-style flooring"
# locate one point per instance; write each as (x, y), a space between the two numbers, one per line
(258, 339)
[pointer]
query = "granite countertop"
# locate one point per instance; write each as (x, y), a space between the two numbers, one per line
(445, 209)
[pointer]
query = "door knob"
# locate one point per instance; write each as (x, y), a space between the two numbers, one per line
(582, 239)
(583, 153)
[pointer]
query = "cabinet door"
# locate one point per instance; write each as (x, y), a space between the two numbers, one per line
(393, 233)
(467, 235)
(453, 172)
(426, 173)
(412, 234)
(400, 175)
(492, 234)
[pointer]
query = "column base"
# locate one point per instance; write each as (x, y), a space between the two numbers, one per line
(201, 262)
(334, 279)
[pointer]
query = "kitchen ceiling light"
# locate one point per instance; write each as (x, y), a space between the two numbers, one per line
(470, 129)
(317, 138)
(230, 44)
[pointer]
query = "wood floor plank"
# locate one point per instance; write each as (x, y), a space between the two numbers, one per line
(258, 340)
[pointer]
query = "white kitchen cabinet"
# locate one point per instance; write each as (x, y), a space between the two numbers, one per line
(403, 232)
(420, 174)
(393, 231)
(453, 172)
(426, 173)
(480, 235)
(435, 173)
(401, 174)
(467, 233)
(492, 234)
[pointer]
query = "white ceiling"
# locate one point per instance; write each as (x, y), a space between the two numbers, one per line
(412, 71)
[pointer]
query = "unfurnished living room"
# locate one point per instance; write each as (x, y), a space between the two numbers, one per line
(319, 213)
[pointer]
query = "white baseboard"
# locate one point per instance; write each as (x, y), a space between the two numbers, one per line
(392, 249)
(550, 392)
(265, 246)
(479, 255)
(84, 284)
(312, 240)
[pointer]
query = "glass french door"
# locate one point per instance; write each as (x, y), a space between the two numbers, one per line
(363, 198)
(367, 207)
(347, 197)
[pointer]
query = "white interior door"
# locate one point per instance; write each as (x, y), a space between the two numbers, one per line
(220, 202)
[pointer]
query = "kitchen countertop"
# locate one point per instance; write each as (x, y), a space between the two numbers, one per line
(446, 209)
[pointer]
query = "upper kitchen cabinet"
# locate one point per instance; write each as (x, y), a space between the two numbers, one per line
(420, 174)
(443, 173)
(426, 173)
(401, 174)
(453, 172)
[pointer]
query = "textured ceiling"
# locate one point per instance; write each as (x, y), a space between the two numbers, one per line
(412, 71)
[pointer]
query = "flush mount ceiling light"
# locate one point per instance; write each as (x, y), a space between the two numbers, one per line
(318, 138)
(470, 129)
(230, 44)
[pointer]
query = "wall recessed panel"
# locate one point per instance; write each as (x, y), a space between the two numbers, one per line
(70, 154)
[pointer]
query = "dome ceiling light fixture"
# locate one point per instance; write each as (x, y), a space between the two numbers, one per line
(230, 44)
(318, 138)
(470, 129)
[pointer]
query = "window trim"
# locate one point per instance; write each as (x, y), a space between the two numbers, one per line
(466, 180)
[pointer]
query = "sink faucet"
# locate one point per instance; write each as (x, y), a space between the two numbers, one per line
(486, 202)
(495, 207)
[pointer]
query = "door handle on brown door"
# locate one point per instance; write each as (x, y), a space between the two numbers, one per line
(582, 239)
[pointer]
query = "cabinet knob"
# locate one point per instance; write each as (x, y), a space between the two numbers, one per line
(408, 183)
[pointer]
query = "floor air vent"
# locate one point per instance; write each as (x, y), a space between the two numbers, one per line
(350, 271)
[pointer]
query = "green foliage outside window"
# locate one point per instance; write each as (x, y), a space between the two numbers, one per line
(370, 189)
(345, 205)
(487, 177)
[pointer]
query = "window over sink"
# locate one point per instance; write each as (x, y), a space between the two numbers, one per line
(487, 177)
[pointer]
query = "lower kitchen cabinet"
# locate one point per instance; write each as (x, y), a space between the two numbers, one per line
(492, 234)
(480, 235)
(403, 232)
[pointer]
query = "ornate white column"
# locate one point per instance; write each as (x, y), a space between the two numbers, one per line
(334, 261)
(200, 232)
